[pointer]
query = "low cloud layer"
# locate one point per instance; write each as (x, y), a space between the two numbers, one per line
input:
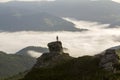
(91, 42)
(118, 1)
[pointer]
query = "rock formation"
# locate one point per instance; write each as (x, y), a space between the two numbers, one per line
(55, 47)
(53, 57)
(109, 60)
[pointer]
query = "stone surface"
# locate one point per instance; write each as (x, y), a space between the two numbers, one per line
(109, 59)
(55, 47)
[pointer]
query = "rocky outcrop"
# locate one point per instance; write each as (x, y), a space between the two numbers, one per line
(109, 60)
(53, 57)
(55, 47)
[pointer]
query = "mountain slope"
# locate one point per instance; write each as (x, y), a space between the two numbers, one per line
(102, 11)
(11, 64)
(13, 20)
(20, 61)
(25, 51)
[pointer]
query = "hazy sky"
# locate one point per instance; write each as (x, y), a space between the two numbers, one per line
(43, 0)
(24, 0)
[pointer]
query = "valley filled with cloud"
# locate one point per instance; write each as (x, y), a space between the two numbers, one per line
(96, 39)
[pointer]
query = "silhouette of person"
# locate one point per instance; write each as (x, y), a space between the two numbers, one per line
(57, 38)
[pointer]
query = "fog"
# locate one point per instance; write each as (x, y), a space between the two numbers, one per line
(118, 1)
(91, 42)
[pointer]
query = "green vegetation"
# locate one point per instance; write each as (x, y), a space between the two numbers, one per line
(82, 68)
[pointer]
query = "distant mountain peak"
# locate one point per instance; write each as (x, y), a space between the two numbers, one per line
(32, 51)
(1, 52)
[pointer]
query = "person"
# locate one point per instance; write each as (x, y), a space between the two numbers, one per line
(57, 38)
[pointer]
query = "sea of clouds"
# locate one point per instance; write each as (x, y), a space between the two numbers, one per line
(96, 39)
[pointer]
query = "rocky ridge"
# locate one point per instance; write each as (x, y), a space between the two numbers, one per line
(53, 57)
(109, 60)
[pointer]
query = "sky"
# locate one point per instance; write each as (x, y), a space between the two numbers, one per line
(23, 0)
(118, 1)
